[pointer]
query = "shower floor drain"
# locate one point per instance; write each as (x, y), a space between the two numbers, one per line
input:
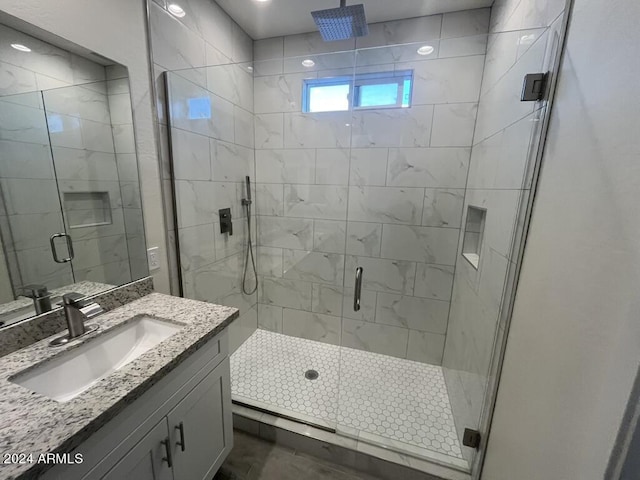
(311, 375)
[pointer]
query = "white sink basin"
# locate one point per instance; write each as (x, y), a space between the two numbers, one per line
(73, 372)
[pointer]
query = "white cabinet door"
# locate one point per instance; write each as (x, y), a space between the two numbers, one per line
(201, 427)
(148, 460)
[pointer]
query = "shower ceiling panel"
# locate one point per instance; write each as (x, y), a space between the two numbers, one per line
(273, 18)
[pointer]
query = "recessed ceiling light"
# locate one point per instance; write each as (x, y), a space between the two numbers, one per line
(425, 50)
(250, 68)
(262, 1)
(176, 10)
(308, 63)
(19, 46)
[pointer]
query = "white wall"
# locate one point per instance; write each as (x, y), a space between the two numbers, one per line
(116, 30)
(574, 342)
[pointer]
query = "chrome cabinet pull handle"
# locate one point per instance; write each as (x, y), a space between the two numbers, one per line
(181, 442)
(167, 448)
(358, 290)
(52, 241)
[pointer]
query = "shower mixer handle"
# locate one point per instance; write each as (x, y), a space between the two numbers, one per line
(358, 290)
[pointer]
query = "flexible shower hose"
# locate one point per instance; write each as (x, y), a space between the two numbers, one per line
(249, 252)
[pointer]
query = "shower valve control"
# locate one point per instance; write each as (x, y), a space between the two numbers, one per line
(226, 225)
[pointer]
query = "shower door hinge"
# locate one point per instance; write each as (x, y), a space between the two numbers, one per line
(535, 87)
(471, 438)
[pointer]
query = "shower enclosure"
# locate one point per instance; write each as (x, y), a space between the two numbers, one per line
(410, 164)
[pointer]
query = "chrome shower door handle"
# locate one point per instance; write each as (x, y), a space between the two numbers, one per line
(358, 290)
(52, 241)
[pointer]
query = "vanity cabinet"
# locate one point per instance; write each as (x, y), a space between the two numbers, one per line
(183, 440)
(146, 461)
(181, 428)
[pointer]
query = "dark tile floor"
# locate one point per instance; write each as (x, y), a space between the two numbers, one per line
(255, 459)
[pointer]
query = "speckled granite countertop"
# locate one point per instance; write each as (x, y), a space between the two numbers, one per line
(32, 423)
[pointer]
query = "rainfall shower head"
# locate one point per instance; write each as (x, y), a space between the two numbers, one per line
(341, 23)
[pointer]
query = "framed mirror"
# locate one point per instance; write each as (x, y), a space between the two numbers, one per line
(70, 205)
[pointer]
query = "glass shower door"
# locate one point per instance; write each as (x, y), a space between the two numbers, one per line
(95, 202)
(31, 211)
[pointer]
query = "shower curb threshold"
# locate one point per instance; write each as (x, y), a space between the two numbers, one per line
(348, 451)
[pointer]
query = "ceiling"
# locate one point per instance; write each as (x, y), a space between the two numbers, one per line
(274, 18)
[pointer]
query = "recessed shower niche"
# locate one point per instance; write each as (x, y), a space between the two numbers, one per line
(473, 233)
(87, 209)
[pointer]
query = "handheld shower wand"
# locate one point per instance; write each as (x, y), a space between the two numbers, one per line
(246, 202)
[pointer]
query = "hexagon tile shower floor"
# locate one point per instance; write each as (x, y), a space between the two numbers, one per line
(382, 399)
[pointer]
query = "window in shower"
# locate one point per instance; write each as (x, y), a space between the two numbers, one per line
(371, 90)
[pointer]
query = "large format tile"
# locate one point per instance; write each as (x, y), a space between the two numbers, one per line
(286, 166)
(415, 313)
(312, 326)
(286, 293)
(313, 266)
(364, 239)
(286, 232)
(329, 236)
(379, 274)
(428, 167)
(434, 281)
(317, 130)
(373, 337)
(393, 127)
(315, 201)
(443, 207)
(453, 125)
(420, 244)
(386, 205)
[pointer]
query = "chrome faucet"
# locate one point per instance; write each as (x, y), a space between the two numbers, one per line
(40, 296)
(77, 310)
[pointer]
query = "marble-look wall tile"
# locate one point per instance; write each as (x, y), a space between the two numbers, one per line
(269, 130)
(317, 130)
(230, 162)
(434, 281)
(243, 127)
(197, 247)
(386, 205)
(269, 199)
(270, 317)
(174, 45)
(453, 125)
(368, 166)
(425, 347)
(364, 239)
(286, 232)
(327, 299)
(35, 160)
(306, 43)
(315, 201)
(286, 166)
(465, 23)
(423, 314)
(385, 275)
(443, 207)
(279, 93)
(286, 293)
(374, 337)
(329, 236)
(194, 203)
(463, 46)
(315, 267)
(368, 298)
(393, 127)
(269, 261)
(332, 166)
(420, 244)
(409, 30)
(446, 80)
(428, 167)
(312, 326)
(24, 196)
(191, 155)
